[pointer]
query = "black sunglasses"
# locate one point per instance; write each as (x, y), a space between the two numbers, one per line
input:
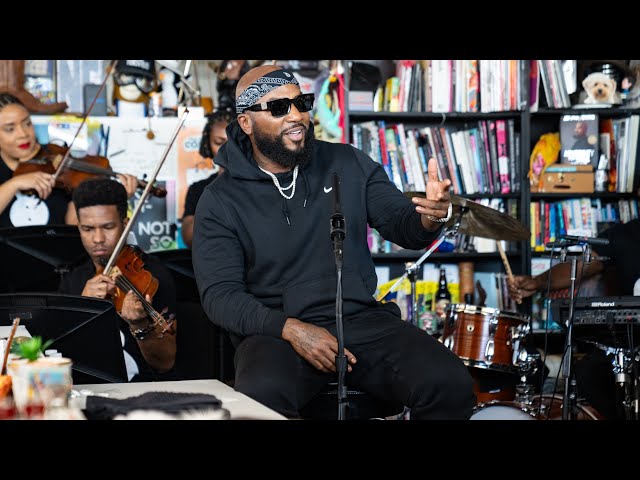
(282, 106)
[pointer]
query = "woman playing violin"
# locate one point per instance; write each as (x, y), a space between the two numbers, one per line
(101, 206)
(18, 144)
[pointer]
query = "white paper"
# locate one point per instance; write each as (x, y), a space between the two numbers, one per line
(383, 275)
(132, 152)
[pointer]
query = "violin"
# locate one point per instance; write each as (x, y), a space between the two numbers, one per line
(129, 274)
(125, 266)
(76, 170)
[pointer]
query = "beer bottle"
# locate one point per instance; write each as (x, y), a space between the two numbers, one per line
(443, 296)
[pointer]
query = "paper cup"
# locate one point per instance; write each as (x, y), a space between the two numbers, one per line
(43, 383)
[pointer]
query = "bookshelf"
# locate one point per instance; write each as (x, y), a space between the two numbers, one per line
(530, 123)
(459, 120)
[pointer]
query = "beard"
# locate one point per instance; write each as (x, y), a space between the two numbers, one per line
(275, 150)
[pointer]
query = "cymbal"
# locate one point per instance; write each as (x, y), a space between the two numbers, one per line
(481, 221)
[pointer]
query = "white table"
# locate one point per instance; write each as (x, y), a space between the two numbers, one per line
(239, 405)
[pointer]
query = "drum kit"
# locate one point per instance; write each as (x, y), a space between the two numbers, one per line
(491, 341)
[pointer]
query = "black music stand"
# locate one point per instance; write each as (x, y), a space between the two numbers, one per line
(86, 330)
(35, 258)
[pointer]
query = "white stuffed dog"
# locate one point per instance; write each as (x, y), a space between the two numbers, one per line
(600, 88)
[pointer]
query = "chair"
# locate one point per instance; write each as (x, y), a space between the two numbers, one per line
(360, 406)
(203, 349)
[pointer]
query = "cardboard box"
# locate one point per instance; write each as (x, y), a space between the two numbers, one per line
(567, 179)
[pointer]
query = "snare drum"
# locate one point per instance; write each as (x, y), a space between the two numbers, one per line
(484, 337)
(493, 385)
(551, 409)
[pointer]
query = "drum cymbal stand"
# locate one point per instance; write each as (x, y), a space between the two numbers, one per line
(412, 268)
(527, 365)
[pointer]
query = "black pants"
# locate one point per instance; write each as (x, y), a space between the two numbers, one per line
(396, 362)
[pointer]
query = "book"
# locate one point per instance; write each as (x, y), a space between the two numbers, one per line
(579, 139)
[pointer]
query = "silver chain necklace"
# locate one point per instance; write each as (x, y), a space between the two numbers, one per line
(277, 183)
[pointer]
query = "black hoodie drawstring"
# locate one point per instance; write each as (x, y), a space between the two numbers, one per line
(306, 188)
(285, 211)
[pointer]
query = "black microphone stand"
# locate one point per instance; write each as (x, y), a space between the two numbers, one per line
(570, 394)
(338, 230)
(569, 401)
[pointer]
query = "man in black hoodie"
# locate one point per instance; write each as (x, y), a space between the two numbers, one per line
(265, 269)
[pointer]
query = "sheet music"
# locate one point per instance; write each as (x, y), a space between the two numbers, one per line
(21, 331)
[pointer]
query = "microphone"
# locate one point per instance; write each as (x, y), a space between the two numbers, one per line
(565, 243)
(337, 223)
(560, 244)
(336, 193)
(337, 218)
(589, 240)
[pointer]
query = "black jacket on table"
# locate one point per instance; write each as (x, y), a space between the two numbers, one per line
(259, 258)
(73, 283)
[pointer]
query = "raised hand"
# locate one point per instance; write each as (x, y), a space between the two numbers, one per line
(436, 203)
(523, 286)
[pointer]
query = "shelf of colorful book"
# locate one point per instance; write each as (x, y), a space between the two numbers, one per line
(601, 195)
(408, 255)
(479, 196)
(428, 116)
(602, 112)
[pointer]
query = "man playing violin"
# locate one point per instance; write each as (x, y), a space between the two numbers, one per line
(18, 144)
(101, 207)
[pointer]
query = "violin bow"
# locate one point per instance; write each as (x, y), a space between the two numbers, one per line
(184, 83)
(143, 197)
(84, 120)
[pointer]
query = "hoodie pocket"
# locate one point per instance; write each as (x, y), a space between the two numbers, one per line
(317, 297)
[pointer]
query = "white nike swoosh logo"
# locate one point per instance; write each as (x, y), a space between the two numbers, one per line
(327, 190)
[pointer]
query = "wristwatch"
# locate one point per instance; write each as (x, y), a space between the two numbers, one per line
(142, 333)
(442, 220)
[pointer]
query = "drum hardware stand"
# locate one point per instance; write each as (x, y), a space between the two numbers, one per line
(623, 369)
(527, 365)
(636, 390)
(412, 276)
(623, 364)
(411, 268)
